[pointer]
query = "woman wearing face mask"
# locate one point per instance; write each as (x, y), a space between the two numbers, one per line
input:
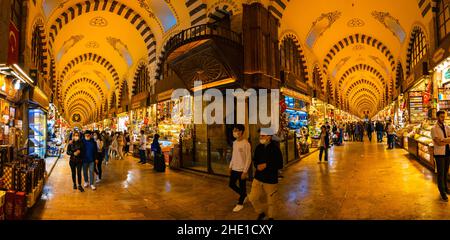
(99, 157)
(75, 150)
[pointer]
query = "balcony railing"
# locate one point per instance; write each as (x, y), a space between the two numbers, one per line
(199, 32)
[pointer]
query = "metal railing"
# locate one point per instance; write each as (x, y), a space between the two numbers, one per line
(203, 31)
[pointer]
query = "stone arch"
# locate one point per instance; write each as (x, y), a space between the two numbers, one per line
(300, 50)
(417, 30)
(361, 39)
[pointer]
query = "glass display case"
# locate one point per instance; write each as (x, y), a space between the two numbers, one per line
(403, 134)
(37, 133)
(420, 140)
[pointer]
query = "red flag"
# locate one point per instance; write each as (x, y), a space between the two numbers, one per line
(13, 44)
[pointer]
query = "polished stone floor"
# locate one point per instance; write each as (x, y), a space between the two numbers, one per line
(361, 181)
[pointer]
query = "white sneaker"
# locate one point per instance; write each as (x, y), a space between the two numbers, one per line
(86, 184)
(98, 180)
(93, 187)
(238, 208)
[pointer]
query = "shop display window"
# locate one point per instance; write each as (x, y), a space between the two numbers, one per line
(37, 132)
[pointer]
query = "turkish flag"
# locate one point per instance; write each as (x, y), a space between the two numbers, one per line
(13, 44)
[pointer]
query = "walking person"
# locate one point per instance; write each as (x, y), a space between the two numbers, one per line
(369, 131)
(99, 156)
(90, 151)
(324, 142)
(114, 148)
(241, 160)
(267, 160)
(361, 132)
(142, 147)
(159, 163)
(106, 143)
(441, 140)
(121, 145)
(127, 143)
(390, 134)
(356, 133)
(379, 129)
(75, 150)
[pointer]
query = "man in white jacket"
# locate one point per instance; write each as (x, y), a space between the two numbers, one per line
(241, 160)
(441, 140)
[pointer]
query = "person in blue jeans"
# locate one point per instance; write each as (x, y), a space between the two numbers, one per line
(90, 151)
(142, 147)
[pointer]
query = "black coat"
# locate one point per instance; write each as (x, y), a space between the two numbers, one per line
(72, 148)
(271, 155)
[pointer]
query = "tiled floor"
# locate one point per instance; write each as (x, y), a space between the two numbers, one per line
(361, 181)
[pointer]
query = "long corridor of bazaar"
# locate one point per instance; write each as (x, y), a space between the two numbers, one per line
(364, 81)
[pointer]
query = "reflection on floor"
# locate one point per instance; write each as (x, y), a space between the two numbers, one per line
(361, 181)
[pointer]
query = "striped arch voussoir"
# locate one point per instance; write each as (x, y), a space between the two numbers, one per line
(111, 6)
(358, 39)
(302, 54)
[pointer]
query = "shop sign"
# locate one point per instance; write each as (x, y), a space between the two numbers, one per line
(295, 94)
(166, 95)
(139, 100)
(39, 97)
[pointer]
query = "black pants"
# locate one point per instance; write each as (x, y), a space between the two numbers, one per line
(369, 135)
(242, 189)
(442, 164)
(76, 171)
(98, 166)
(323, 149)
(127, 148)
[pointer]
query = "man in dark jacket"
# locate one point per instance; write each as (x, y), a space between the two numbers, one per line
(267, 160)
(90, 152)
(369, 130)
(106, 144)
(75, 150)
(379, 129)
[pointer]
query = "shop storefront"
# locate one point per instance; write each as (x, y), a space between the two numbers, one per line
(295, 110)
(317, 117)
(174, 125)
(37, 123)
(22, 174)
(56, 126)
(123, 122)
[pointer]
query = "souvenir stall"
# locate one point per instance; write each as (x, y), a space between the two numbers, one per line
(21, 175)
(294, 108)
(123, 122)
(417, 130)
(37, 123)
(56, 127)
(142, 117)
(317, 117)
(170, 115)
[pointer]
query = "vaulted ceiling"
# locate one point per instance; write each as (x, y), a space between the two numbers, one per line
(357, 44)
(97, 45)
